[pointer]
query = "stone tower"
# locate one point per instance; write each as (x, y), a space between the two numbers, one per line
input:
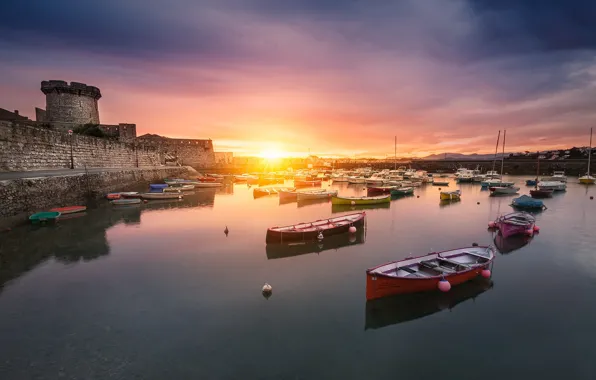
(70, 105)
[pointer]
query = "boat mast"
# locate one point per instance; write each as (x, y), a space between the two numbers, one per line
(537, 170)
(503, 157)
(496, 149)
(395, 155)
(590, 152)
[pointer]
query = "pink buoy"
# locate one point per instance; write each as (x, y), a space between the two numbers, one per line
(485, 273)
(530, 232)
(492, 224)
(536, 229)
(444, 285)
(352, 229)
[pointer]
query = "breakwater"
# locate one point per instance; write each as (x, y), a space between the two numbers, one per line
(21, 197)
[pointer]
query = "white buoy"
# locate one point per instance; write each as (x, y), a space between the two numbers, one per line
(267, 288)
(353, 203)
(320, 236)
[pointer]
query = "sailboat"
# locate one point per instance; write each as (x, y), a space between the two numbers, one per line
(539, 193)
(588, 179)
(499, 183)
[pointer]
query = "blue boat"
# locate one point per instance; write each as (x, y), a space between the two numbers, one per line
(528, 203)
(531, 182)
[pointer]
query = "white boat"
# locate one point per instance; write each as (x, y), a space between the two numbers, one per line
(464, 176)
(492, 174)
(340, 178)
(376, 179)
(552, 185)
(162, 196)
(208, 184)
(504, 190)
(307, 195)
(588, 179)
(356, 180)
(179, 187)
(409, 173)
(558, 176)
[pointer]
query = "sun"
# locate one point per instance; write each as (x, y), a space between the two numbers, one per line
(271, 154)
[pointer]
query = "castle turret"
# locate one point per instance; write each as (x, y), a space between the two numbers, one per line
(70, 105)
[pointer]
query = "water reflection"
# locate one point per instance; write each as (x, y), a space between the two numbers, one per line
(279, 251)
(449, 202)
(511, 243)
(403, 308)
(356, 208)
(312, 202)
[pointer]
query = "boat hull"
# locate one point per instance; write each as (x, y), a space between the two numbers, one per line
(507, 229)
(161, 196)
(450, 196)
(307, 183)
(587, 180)
(541, 193)
(127, 201)
(361, 201)
(315, 195)
(69, 209)
(44, 217)
(276, 236)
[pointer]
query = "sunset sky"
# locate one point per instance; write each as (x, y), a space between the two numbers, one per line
(333, 76)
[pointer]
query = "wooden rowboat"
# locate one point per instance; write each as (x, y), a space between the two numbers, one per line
(207, 184)
(450, 195)
(371, 190)
(113, 196)
(440, 183)
(315, 183)
(162, 196)
(69, 209)
(541, 193)
(130, 194)
(361, 200)
(311, 231)
(402, 191)
(323, 194)
(44, 217)
(424, 273)
(129, 201)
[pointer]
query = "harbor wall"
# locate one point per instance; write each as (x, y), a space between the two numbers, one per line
(25, 148)
(21, 197)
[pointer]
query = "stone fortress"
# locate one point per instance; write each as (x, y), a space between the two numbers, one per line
(24, 142)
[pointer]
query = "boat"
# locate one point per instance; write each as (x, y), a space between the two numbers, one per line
(450, 195)
(588, 179)
(334, 242)
(130, 194)
(531, 182)
(162, 196)
(207, 184)
(464, 176)
(292, 194)
(402, 191)
(113, 196)
(409, 173)
(528, 203)
(515, 223)
(496, 183)
(541, 193)
(308, 195)
(339, 179)
(502, 190)
(429, 272)
(126, 201)
(552, 185)
(171, 190)
(307, 183)
(558, 176)
(493, 179)
(372, 190)
(360, 200)
(315, 230)
(68, 209)
(387, 311)
(180, 186)
(158, 186)
(356, 180)
(440, 183)
(44, 217)
(263, 191)
(375, 179)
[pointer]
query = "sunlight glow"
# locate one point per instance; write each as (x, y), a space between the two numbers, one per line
(272, 154)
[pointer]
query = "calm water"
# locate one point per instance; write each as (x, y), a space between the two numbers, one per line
(159, 291)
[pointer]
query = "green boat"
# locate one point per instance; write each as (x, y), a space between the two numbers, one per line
(402, 191)
(44, 217)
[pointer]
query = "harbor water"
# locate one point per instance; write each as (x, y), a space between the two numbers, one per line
(158, 290)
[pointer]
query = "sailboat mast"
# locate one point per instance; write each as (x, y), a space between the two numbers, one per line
(537, 169)
(395, 155)
(590, 152)
(503, 157)
(496, 149)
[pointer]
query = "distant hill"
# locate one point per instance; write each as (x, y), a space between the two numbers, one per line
(463, 157)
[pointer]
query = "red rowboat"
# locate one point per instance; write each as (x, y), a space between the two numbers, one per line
(69, 209)
(306, 183)
(515, 223)
(315, 230)
(428, 273)
(546, 193)
(375, 190)
(113, 196)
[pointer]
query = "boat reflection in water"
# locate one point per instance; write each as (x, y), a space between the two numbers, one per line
(280, 251)
(392, 310)
(448, 202)
(357, 208)
(312, 202)
(511, 243)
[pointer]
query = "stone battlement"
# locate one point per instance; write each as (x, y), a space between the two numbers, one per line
(74, 88)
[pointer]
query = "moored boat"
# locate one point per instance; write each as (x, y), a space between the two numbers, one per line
(307, 183)
(113, 196)
(324, 194)
(68, 209)
(360, 200)
(372, 190)
(503, 190)
(538, 193)
(125, 201)
(429, 272)
(552, 185)
(207, 184)
(44, 217)
(315, 230)
(588, 179)
(515, 223)
(264, 191)
(450, 195)
(531, 182)
(440, 183)
(130, 194)
(402, 191)
(162, 196)
(527, 203)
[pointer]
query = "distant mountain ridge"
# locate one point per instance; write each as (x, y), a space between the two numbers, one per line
(461, 156)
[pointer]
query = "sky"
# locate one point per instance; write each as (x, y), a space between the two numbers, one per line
(333, 77)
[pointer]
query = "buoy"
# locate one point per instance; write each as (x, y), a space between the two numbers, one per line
(352, 238)
(417, 196)
(492, 224)
(145, 201)
(439, 189)
(530, 232)
(536, 228)
(352, 229)
(591, 197)
(226, 231)
(320, 236)
(477, 203)
(474, 244)
(485, 273)
(352, 203)
(267, 288)
(444, 285)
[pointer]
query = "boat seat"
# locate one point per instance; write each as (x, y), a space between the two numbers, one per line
(406, 269)
(454, 262)
(436, 267)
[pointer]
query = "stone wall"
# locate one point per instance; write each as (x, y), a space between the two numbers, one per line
(70, 105)
(123, 131)
(224, 159)
(22, 197)
(196, 153)
(25, 148)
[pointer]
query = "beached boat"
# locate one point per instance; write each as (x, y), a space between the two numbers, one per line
(44, 217)
(307, 195)
(68, 209)
(125, 201)
(429, 272)
(552, 185)
(361, 200)
(207, 184)
(527, 203)
(130, 194)
(450, 195)
(113, 196)
(307, 183)
(503, 190)
(402, 191)
(372, 190)
(162, 196)
(515, 223)
(440, 183)
(315, 230)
